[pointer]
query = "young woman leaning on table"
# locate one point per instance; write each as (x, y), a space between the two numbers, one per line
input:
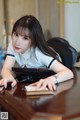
(28, 48)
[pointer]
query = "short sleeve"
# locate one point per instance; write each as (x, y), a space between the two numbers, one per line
(46, 60)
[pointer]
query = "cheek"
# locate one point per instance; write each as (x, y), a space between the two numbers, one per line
(27, 44)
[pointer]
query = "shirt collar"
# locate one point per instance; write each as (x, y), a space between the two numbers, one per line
(27, 54)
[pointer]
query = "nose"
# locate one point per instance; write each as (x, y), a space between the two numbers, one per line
(17, 40)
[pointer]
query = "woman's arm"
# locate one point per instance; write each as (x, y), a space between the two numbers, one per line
(6, 72)
(62, 74)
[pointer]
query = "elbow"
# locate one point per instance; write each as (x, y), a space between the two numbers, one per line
(71, 74)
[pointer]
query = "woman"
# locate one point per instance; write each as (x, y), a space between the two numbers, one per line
(28, 48)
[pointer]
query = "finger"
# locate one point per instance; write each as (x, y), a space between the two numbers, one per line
(1, 82)
(5, 83)
(1, 88)
(54, 87)
(13, 83)
(1, 85)
(40, 83)
(33, 84)
(50, 87)
(45, 84)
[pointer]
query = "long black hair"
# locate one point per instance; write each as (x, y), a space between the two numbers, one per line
(30, 23)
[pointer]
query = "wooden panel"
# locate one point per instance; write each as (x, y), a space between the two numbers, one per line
(18, 8)
(1, 22)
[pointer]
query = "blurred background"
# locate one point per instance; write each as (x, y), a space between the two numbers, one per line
(59, 18)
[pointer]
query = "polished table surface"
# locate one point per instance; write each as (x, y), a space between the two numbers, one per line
(64, 103)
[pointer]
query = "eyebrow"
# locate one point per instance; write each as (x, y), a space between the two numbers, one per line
(22, 35)
(26, 36)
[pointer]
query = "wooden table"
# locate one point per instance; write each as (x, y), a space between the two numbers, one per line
(63, 105)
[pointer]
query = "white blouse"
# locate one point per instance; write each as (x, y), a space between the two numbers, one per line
(32, 58)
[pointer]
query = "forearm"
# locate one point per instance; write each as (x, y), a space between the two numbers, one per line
(6, 72)
(63, 76)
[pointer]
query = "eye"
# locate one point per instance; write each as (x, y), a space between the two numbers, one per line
(15, 33)
(26, 38)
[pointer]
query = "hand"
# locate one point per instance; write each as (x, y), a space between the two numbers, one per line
(7, 79)
(47, 82)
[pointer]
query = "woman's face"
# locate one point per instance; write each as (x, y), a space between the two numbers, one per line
(21, 40)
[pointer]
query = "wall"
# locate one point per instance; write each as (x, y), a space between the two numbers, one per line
(18, 8)
(47, 12)
(11, 10)
(49, 17)
(72, 24)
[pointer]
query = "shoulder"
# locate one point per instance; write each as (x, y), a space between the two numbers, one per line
(39, 54)
(43, 58)
(37, 50)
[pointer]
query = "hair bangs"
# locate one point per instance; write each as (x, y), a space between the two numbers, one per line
(22, 31)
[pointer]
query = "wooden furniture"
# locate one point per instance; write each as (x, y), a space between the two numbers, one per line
(63, 105)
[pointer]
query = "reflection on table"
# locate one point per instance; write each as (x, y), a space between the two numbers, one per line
(63, 104)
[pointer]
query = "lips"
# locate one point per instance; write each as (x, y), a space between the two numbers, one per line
(17, 48)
